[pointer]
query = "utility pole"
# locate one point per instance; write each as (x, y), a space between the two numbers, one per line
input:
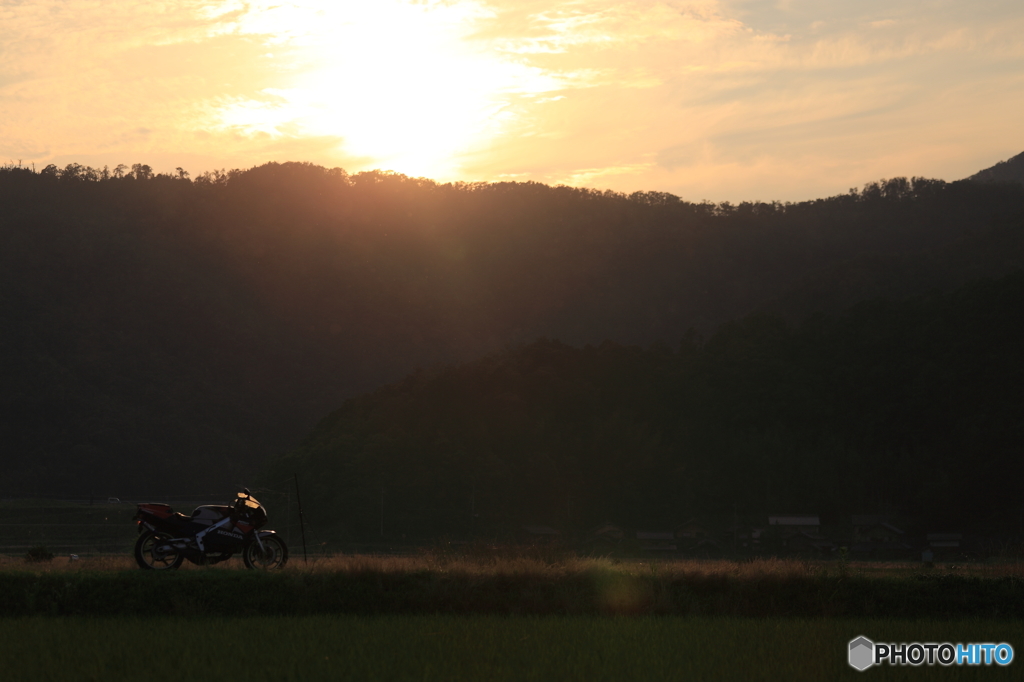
(382, 512)
(735, 527)
(302, 519)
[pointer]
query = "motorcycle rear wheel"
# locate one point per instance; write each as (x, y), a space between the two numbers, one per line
(273, 556)
(148, 558)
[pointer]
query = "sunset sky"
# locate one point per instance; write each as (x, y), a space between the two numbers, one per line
(711, 99)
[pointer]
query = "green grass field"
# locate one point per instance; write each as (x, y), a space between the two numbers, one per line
(518, 617)
(430, 584)
(478, 648)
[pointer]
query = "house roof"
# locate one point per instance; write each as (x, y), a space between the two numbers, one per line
(872, 520)
(876, 545)
(811, 535)
(945, 539)
(812, 539)
(795, 520)
(655, 535)
(884, 526)
(944, 536)
(541, 530)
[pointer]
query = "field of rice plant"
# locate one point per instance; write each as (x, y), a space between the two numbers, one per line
(499, 616)
(491, 648)
(533, 560)
(513, 585)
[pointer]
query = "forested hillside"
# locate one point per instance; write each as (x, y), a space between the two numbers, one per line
(168, 334)
(913, 408)
(1011, 170)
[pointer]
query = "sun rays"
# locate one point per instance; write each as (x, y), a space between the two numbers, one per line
(404, 84)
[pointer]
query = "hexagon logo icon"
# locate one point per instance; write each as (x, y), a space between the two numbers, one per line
(862, 653)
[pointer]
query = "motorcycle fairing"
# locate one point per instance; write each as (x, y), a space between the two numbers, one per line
(209, 514)
(266, 533)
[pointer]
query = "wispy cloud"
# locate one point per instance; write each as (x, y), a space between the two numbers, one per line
(723, 99)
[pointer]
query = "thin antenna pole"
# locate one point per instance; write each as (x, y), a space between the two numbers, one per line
(302, 521)
(735, 527)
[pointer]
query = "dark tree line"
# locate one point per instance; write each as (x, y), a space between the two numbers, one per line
(167, 333)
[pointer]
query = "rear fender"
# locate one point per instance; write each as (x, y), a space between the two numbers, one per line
(155, 509)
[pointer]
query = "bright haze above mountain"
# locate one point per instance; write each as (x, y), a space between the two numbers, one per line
(716, 99)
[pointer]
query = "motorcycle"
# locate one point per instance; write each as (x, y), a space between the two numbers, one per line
(213, 533)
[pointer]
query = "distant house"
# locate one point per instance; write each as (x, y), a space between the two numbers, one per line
(945, 545)
(657, 541)
(945, 540)
(806, 542)
(873, 528)
(875, 536)
(609, 533)
(696, 536)
(799, 533)
(746, 538)
(541, 533)
(692, 530)
(796, 523)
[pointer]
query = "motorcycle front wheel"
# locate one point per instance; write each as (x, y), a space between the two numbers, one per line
(149, 556)
(273, 556)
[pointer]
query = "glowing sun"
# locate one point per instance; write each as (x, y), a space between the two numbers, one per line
(406, 85)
